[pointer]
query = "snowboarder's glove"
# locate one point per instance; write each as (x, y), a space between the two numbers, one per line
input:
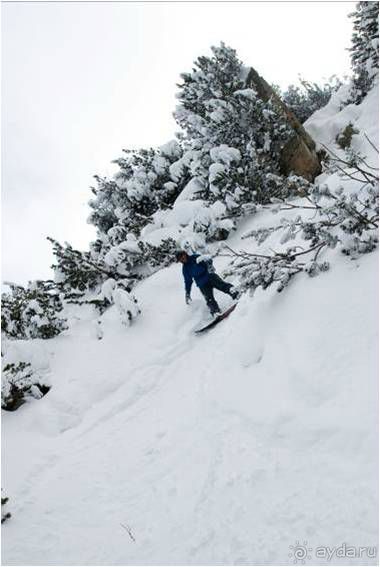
(188, 299)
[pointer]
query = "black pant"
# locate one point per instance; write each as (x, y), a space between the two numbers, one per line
(215, 282)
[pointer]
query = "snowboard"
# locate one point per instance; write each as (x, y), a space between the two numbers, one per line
(217, 319)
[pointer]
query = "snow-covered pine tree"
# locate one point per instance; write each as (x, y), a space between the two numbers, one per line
(76, 272)
(124, 205)
(236, 135)
(141, 186)
(32, 312)
(364, 48)
(205, 92)
(19, 382)
(307, 97)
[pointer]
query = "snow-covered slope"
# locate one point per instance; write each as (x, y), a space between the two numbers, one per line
(158, 446)
(325, 124)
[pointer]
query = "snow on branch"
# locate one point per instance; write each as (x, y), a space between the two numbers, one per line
(347, 219)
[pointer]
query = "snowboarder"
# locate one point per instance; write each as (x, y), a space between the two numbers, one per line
(207, 280)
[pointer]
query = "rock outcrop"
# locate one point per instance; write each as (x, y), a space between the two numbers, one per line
(299, 154)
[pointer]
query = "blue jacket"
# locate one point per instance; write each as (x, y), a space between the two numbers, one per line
(199, 272)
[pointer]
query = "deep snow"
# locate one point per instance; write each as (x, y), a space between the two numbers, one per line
(157, 446)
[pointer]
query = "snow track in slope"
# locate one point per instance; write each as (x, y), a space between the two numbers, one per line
(216, 449)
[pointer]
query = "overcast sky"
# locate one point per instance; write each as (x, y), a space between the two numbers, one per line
(81, 81)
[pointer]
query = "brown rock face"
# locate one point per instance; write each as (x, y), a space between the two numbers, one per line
(299, 154)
